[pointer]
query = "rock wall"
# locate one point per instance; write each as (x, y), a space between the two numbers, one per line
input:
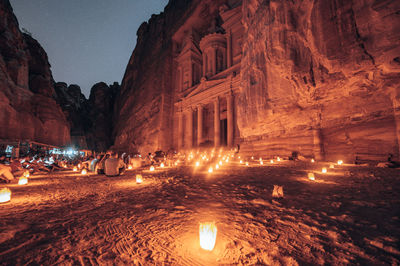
(90, 119)
(321, 77)
(144, 105)
(28, 109)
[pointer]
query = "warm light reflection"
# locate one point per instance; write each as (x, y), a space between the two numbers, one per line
(162, 165)
(5, 195)
(217, 166)
(75, 169)
(271, 161)
(130, 167)
(340, 162)
(247, 163)
(208, 235)
(139, 179)
(210, 170)
(84, 171)
(324, 170)
(197, 164)
(278, 159)
(261, 162)
(312, 160)
(241, 162)
(23, 180)
(311, 176)
(331, 165)
(152, 168)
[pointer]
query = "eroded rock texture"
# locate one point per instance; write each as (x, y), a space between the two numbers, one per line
(28, 109)
(90, 119)
(321, 77)
(317, 77)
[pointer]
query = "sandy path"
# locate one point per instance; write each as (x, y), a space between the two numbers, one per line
(350, 215)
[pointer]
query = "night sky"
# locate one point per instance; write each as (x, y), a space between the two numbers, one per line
(87, 41)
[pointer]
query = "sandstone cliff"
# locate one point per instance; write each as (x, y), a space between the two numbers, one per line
(90, 119)
(321, 77)
(317, 77)
(28, 109)
(144, 107)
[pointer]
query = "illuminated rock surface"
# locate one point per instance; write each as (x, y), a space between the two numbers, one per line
(320, 78)
(348, 216)
(28, 109)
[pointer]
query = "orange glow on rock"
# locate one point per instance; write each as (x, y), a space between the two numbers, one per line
(5, 195)
(208, 236)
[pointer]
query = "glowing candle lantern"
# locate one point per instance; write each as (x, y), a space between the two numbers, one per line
(139, 179)
(84, 171)
(241, 161)
(252, 157)
(217, 166)
(260, 159)
(312, 160)
(271, 161)
(247, 163)
(220, 162)
(152, 168)
(324, 170)
(5, 195)
(75, 169)
(340, 162)
(162, 165)
(331, 165)
(79, 166)
(261, 162)
(238, 157)
(130, 167)
(23, 180)
(208, 235)
(210, 170)
(311, 176)
(278, 159)
(176, 163)
(197, 164)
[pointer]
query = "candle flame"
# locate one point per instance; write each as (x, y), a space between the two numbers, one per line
(208, 235)
(5, 195)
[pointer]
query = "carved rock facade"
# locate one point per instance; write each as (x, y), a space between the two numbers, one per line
(317, 77)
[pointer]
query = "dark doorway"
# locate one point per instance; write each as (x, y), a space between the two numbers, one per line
(224, 132)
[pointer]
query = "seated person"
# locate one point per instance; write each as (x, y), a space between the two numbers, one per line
(5, 173)
(114, 166)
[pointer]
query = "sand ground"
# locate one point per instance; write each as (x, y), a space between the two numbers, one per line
(349, 215)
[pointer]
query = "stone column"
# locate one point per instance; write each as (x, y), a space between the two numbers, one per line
(318, 144)
(204, 64)
(229, 102)
(214, 61)
(199, 125)
(180, 130)
(229, 49)
(189, 138)
(217, 138)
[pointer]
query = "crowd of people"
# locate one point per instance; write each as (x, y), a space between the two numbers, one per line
(109, 164)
